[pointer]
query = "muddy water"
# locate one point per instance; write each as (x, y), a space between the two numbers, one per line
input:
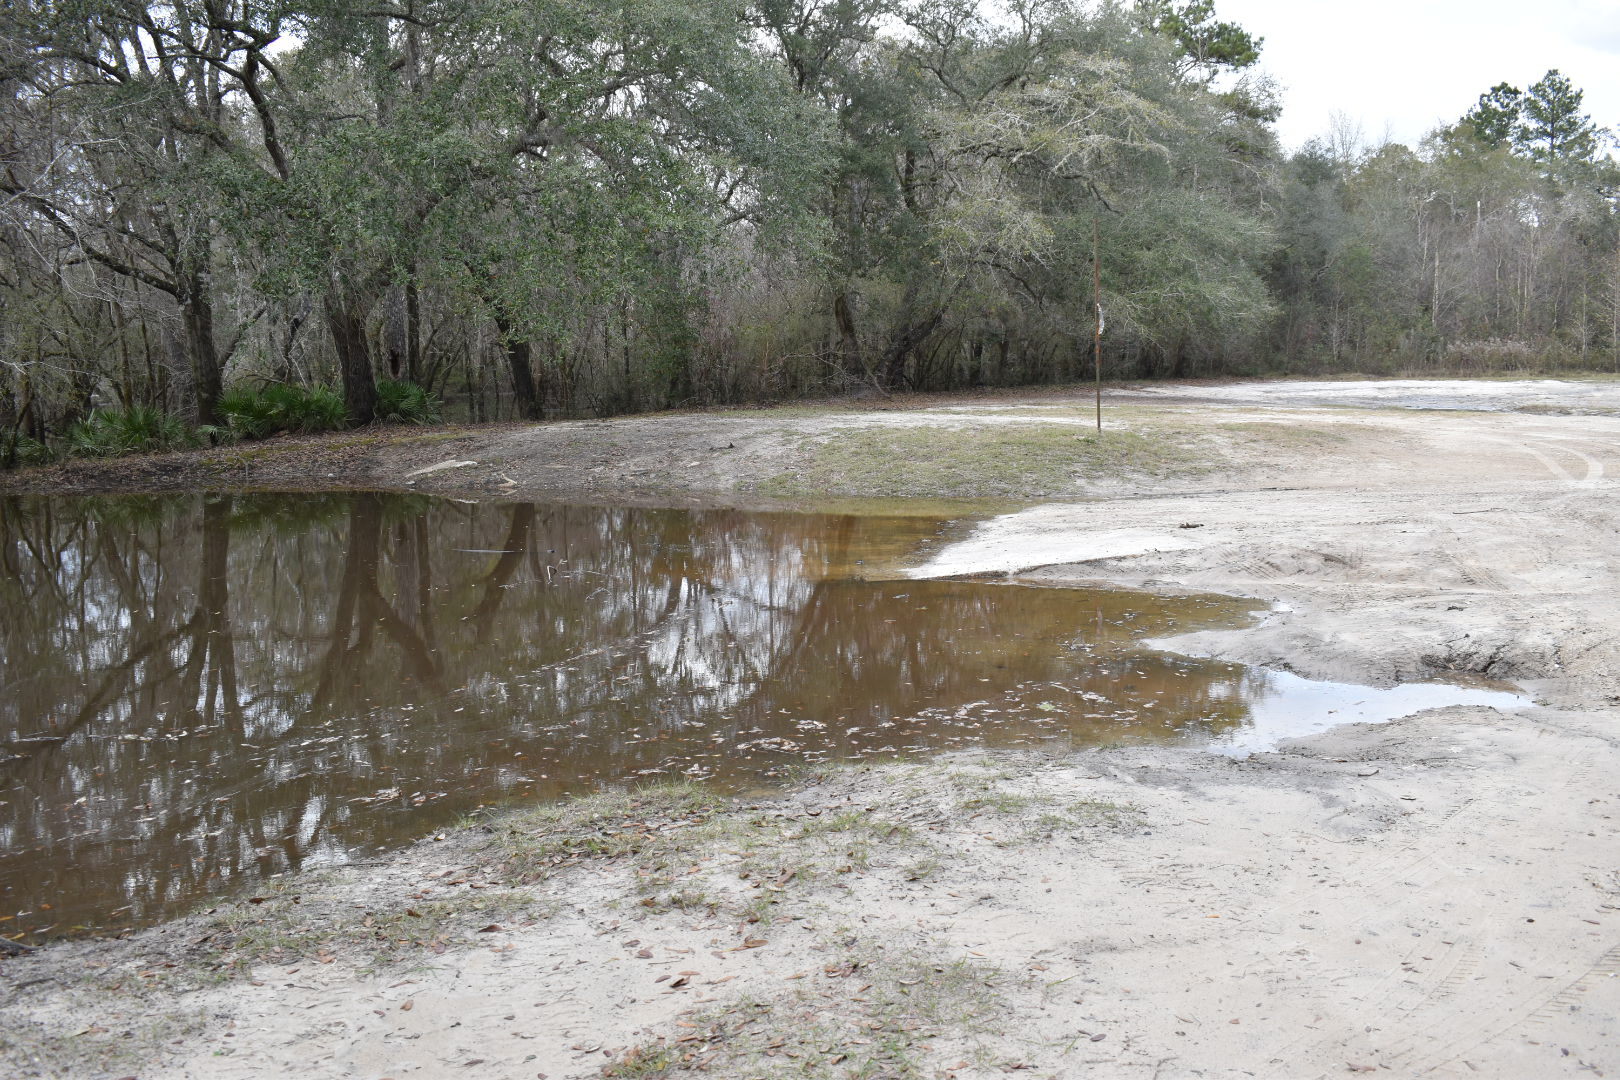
(198, 691)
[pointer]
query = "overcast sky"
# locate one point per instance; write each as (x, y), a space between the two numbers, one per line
(1405, 66)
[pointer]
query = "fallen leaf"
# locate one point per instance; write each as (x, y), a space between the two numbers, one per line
(408, 1006)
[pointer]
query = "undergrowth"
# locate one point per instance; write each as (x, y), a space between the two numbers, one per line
(138, 429)
(270, 410)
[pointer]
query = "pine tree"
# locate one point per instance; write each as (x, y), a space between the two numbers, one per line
(1553, 130)
(1498, 116)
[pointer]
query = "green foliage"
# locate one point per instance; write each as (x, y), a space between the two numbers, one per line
(20, 450)
(1544, 123)
(1496, 119)
(1206, 43)
(248, 414)
(1554, 129)
(406, 403)
(135, 430)
(269, 410)
(620, 207)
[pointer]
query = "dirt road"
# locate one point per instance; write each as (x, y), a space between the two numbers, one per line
(1437, 896)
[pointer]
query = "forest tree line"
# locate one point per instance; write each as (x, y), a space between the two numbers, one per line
(250, 216)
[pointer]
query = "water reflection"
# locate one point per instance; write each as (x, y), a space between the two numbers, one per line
(194, 690)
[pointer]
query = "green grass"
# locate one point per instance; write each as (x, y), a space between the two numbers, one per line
(989, 461)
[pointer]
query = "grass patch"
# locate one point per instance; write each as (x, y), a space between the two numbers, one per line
(609, 824)
(1002, 460)
(1100, 813)
(1270, 433)
(1025, 814)
(871, 1013)
(681, 847)
(285, 924)
(671, 829)
(123, 1040)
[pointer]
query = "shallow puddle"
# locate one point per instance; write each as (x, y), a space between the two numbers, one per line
(195, 691)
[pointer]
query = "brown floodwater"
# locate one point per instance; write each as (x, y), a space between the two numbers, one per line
(199, 691)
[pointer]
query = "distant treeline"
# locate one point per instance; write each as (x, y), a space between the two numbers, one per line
(547, 207)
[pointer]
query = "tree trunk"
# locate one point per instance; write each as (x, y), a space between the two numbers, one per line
(413, 330)
(522, 369)
(849, 342)
(394, 332)
(905, 340)
(197, 311)
(346, 318)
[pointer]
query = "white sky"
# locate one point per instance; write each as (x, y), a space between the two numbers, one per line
(1402, 67)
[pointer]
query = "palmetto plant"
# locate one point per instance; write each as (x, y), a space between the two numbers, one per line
(135, 430)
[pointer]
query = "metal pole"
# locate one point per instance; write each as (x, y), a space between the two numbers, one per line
(1096, 300)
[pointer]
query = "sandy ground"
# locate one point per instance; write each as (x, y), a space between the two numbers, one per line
(1436, 896)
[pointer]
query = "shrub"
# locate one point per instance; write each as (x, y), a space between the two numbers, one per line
(316, 408)
(248, 414)
(258, 414)
(138, 429)
(406, 403)
(20, 450)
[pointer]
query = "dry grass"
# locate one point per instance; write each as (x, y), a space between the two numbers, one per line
(1000, 461)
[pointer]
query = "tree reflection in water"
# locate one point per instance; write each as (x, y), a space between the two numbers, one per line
(201, 689)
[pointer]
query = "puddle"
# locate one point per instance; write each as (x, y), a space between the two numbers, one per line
(195, 692)
(1285, 706)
